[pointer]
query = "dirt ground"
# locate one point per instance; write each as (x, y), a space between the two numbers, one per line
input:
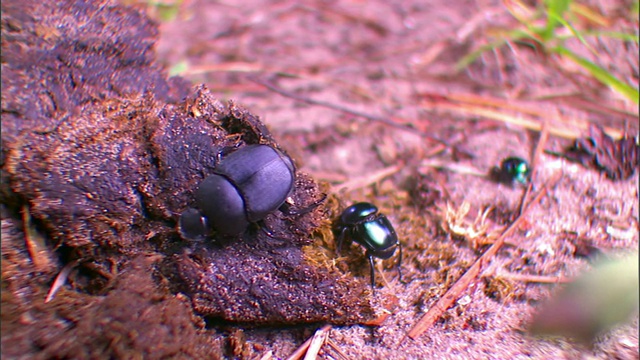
(366, 98)
(394, 60)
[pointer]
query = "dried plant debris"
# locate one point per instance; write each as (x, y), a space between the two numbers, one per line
(619, 159)
(478, 232)
(105, 154)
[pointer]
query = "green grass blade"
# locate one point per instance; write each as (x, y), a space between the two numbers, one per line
(605, 34)
(179, 68)
(471, 57)
(575, 32)
(555, 16)
(617, 35)
(557, 7)
(602, 75)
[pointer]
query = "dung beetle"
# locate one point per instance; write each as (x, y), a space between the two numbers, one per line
(245, 187)
(362, 223)
(513, 169)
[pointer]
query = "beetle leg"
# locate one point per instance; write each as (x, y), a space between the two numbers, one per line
(263, 226)
(373, 285)
(400, 262)
(267, 231)
(287, 210)
(340, 240)
(224, 151)
(193, 225)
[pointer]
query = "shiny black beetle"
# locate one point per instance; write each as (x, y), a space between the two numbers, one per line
(244, 188)
(363, 224)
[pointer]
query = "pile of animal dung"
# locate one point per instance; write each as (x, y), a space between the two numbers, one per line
(101, 153)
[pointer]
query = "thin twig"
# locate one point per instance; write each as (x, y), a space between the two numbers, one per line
(472, 273)
(599, 108)
(502, 104)
(296, 355)
(533, 278)
(544, 135)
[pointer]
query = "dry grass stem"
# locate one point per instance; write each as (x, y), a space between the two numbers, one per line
(476, 232)
(300, 351)
(317, 341)
(517, 120)
(60, 280)
(334, 347)
(544, 136)
(493, 108)
(544, 279)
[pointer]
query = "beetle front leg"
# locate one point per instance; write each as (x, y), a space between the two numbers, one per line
(340, 240)
(280, 241)
(193, 225)
(373, 283)
(225, 150)
(400, 262)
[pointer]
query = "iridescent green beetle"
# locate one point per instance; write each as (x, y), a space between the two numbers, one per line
(514, 169)
(363, 224)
